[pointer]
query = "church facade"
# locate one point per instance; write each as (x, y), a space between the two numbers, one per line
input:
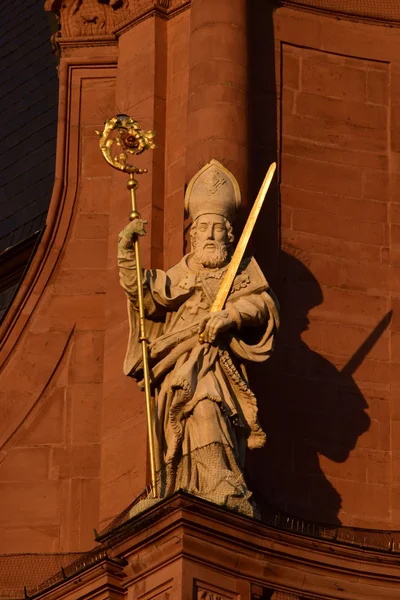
(315, 86)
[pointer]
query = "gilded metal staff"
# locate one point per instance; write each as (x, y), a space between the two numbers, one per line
(125, 133)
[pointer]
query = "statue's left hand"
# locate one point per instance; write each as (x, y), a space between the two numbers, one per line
(214, 323)
(130, 232)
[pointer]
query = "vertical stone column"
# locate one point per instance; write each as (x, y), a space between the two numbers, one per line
(217, 100)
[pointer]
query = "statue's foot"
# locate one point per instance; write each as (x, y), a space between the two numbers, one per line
(237, 498)
(240, 504)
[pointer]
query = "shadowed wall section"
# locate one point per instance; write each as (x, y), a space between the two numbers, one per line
(331, 454)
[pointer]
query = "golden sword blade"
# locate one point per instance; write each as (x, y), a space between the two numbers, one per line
(240, 249)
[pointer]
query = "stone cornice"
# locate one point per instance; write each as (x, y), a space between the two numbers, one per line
(187, 530)
(327, 8)
(86, 41)
(104, 575)
(200, 513)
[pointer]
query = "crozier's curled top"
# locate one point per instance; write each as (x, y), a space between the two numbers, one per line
(213, 190)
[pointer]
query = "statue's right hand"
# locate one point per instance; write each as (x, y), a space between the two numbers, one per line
(131, 231)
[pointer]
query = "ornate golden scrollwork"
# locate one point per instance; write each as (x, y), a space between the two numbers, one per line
(130, 139)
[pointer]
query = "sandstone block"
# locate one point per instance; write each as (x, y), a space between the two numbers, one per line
(81, 461)
(84, 400)
(354, 114)
(322, 177)
(378, 87)
(336, 134)
(17, 539)
(91, 226)
(333, 80)
(299, 243)
(47, 426)
(376, 185)
(334, 154)
(24, 464)
(331, 205)
(85, 254)
(29, 502)
(339, 227)
(219, 69)
(291, 71)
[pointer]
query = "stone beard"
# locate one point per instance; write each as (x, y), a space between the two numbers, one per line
(203, 250)
(205, 412)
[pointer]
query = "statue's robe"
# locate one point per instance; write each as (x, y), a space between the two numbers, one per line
(205, 413)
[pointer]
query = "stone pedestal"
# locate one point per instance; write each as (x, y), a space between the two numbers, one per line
(185, 548)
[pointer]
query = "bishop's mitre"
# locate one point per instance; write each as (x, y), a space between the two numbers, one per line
(213, 190)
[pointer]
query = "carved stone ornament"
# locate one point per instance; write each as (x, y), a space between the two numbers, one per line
(203, 594)
(85, 18)
(99, 18)
(204, 412)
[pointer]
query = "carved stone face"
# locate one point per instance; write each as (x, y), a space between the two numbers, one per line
(210, 240)
(211, 227)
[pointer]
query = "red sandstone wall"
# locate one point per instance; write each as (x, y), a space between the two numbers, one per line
(73, 450)
(175, 135)
(73, 437)
(333, 421)
(53, 354)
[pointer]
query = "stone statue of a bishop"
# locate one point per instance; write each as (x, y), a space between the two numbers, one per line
(205, 412)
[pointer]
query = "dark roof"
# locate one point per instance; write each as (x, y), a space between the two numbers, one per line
(19, 571)
(28, 119)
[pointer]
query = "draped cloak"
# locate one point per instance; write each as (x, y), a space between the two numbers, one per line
(184, 373)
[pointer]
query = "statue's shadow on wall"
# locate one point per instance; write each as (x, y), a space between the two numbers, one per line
(307, 408)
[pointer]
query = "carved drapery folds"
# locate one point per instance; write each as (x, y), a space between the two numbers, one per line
(93, 18)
